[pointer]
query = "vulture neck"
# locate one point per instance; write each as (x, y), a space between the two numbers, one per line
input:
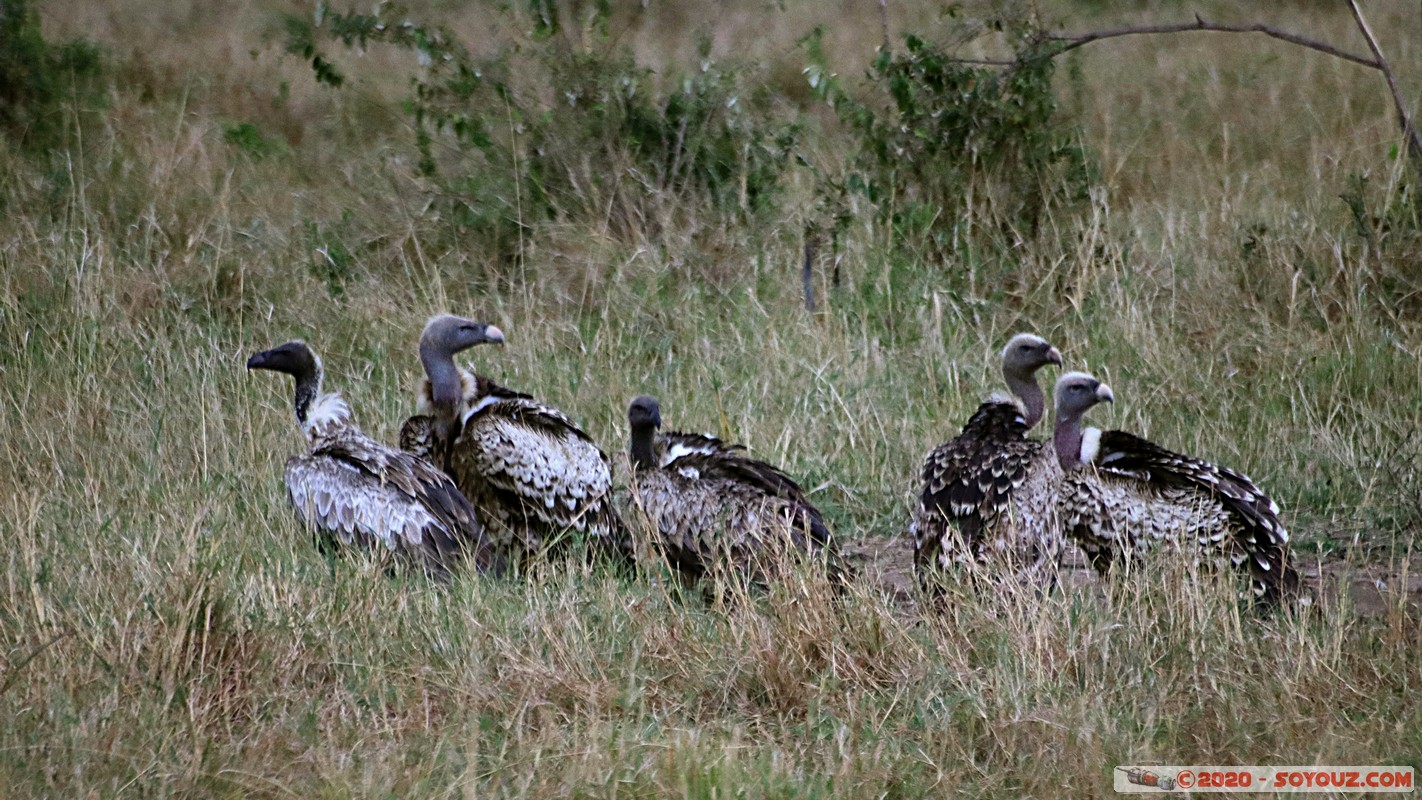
(643, 450)
(1027, 390)
(1067, 439)
(308, 388)
(319, 415)
(445, 384)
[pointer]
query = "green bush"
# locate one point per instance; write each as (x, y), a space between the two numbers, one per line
(547, 131)
(249, 139)
(1389, 227)
(36, 77)
(936, 136)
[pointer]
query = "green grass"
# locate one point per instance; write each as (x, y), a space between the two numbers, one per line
(167, 630)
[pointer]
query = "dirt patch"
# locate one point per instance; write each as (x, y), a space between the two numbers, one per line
(1371, 589)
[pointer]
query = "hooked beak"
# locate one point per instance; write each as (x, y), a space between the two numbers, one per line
(493, 335)
(1054, 356)
(257, 361)
(1103, 393)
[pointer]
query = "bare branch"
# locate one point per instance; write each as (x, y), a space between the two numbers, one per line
(807, 271)
(989, 62)
(1071, 42)
(1064, 42)
(1409, 130)
(884, 22)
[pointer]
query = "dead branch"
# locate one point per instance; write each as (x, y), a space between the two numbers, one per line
(1409, 129)
(1061, 43)
(884, 22)
(1066, 42)
(1073, 41)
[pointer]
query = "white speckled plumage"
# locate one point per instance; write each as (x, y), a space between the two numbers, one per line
(534, 475)
(358, 492)
(1124, 495)
(989, 492)
(722, 525)
(715, 509)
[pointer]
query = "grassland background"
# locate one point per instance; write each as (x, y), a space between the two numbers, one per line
(166, 630)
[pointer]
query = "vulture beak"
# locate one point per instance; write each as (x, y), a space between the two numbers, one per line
(1103, 394)
(257, 361)
(493, 335)
(1054, 356)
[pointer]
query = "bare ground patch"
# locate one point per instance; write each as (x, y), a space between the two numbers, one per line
(1370, 588)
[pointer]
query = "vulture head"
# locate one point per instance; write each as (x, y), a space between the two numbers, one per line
(294, 358)
(644, 416)
(1076, 393)
(298, 360)
(446, 334)
(644, 412)
(1024, 354)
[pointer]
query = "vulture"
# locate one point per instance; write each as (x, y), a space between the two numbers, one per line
(989, 492)
(714, 508)
(1123, 495)
(351, 490)
(536, 478)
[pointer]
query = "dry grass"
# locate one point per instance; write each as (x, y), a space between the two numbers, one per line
(166, 629)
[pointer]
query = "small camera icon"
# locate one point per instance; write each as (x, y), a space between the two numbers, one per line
(1145, 777)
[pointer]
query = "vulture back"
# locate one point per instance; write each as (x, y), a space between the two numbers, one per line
(987, 493)
(1136, 493)
(717, 509)
(534, 475)
(354, 490)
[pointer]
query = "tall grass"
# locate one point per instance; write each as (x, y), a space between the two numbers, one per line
(168, 630)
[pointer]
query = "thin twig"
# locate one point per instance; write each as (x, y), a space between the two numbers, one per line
(1409, 130)
(807, 270)
(1071, 42)
(989, 62)
(884, 22)
(15, 671)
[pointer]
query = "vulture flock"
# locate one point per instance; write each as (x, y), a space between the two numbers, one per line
(492, 479)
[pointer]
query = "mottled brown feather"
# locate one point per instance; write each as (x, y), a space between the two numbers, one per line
(714, 507)
(987, 492)
(534, 475)
(1137, 494)
(358, 492)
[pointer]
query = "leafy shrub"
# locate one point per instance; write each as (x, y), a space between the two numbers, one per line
(249, 139)
(545, 131)
(36, 76)
(937, 137)
(1389, 228)
(331, 261)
